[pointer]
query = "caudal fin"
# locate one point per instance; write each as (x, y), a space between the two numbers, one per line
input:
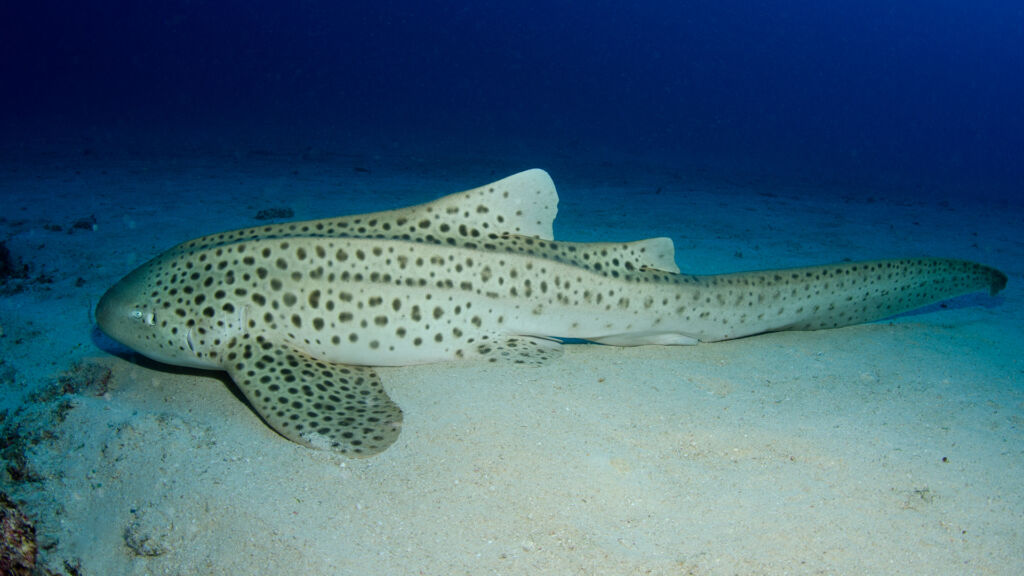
(832, 296)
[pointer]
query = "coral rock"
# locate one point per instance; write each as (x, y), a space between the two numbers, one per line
(18, 545)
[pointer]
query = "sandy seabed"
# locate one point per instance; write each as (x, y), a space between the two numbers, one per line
(889, 448)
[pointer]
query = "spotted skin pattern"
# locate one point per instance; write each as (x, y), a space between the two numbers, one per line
(299, 313)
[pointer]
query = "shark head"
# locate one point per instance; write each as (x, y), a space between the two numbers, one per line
(130, 313)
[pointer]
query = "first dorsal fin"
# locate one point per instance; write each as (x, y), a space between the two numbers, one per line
(524, 204)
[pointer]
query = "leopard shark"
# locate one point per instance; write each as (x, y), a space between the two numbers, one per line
(299, 314)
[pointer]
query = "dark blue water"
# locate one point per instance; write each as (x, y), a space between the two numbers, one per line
(889, 95)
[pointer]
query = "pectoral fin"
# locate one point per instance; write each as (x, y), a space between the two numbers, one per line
(312, 402)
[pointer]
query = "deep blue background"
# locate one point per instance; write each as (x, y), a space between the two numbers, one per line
(882, 93)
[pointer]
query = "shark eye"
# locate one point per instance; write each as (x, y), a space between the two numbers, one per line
(148, 317)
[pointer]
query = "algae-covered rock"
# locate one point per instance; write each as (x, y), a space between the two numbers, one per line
(17, 540)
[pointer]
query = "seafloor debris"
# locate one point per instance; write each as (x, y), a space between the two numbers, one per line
(10, 266)
(15, 440)
(274, 213)
(18, 544)
(148, 532)
(90, 377)
(15, 275)
(88, 223)
(37, 420)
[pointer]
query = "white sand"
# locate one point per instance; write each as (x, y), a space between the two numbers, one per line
(892, 448)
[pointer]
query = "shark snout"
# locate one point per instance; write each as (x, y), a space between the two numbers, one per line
(115, 314)
(125, 314)
(104, 311)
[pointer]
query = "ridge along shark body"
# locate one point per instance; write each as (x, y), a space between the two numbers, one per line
(298, 313)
